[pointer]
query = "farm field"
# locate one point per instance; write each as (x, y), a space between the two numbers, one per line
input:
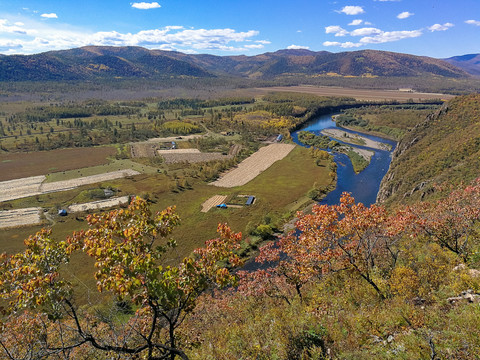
(22, 165)
(173, 157)
(359, 94)
(26, 187)
(280, 191)
(212, 202)
(251, 167)
(19, 217)
(100, 204)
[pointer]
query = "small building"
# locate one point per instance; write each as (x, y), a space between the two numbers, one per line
(279, 138)
(62, 212)
(108, 193)
(250, 200)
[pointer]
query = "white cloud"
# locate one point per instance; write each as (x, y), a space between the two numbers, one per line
(49, 16)
(146, 6)
(335, 29)
(352, 10)
(39, 36)
(389, 36)
(356, 22)
(440, 27)
(254, 46)
(345, 45)
(378, 37)
(297, 47)
(365, 32)
(404, 15)
(6, 27)
(473, 22)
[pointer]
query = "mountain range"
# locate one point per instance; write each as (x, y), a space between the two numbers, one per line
(470, 63)
(92, 62)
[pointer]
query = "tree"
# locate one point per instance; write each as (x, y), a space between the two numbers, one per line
(333, 238)
(449, 221)
(127, 249)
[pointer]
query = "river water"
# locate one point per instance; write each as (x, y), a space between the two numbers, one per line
(363, 186)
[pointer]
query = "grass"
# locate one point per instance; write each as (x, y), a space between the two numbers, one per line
(359, 163)
(279, 190)
(113, 165)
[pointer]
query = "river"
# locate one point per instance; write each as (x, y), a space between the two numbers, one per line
(363, 186)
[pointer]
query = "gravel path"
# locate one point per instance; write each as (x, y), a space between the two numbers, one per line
(252, 166)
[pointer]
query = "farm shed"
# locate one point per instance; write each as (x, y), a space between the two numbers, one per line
(250, 200)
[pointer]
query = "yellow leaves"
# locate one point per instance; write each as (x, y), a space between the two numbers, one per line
(404, 282)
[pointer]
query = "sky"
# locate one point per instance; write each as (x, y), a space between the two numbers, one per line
(435, 28)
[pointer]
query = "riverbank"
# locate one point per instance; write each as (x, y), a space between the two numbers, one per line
(355, 139)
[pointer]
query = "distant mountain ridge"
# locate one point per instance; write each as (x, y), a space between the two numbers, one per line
(470, 63)
(136, 62)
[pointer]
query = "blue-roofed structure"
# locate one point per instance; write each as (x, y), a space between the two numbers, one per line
(279, 138)
(250, 200)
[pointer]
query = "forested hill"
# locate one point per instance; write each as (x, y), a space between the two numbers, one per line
(135, 62)
(445, 148)
(470, 63)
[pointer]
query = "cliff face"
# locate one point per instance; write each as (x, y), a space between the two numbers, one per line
(444, 148)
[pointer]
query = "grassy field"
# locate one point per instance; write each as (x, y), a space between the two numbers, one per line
(113, 165)
(280, 190)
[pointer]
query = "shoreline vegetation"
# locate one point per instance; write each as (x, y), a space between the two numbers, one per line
(360, 158)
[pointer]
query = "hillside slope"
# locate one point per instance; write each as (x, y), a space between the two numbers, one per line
(470, 63)
(126, 62)
(443, 148)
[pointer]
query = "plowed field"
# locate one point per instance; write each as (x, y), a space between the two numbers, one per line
(252, 166)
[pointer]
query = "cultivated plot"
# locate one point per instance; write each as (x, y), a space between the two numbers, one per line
(20, 217)
(100, 204)
(252, 166)
(212, 202)
(21, 188)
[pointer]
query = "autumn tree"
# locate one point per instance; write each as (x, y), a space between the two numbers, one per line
(127, 246)
(449, 221)
(332, 238)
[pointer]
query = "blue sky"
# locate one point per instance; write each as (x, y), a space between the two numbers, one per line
(437, 28)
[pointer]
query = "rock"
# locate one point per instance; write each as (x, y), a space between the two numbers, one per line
(474, 273)
(390, 338)
(460, 267)
(465, 297)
